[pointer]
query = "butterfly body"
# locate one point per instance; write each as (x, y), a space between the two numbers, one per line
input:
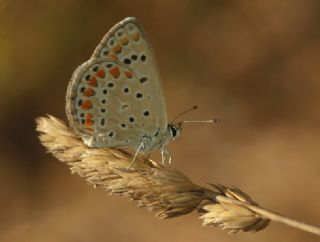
(115, 99)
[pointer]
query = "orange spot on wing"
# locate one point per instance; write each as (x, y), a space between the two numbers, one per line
(135, 36)
(86, 104)
(128, 74)
(89, 116)
(113, 57)
(115, 72)
(93, 82)
(88, 123)
(124, 41)
(101, 73)
(116, 49)
(89, 92)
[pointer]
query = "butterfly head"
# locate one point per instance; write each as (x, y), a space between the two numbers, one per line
(174, 130)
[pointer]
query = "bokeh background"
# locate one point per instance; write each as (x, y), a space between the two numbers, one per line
(253, 64)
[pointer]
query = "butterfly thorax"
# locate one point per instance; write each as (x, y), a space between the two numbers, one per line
(156, 142)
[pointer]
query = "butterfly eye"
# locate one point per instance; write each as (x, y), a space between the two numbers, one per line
(174, 131)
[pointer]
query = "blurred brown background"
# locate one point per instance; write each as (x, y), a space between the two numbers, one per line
(253, 64)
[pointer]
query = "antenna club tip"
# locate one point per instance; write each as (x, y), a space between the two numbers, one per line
(195, 107)
(216, 120)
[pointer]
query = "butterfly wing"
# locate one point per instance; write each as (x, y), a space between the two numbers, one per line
(108, 106)
(128, 43)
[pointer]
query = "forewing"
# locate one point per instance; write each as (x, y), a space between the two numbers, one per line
(127, 43)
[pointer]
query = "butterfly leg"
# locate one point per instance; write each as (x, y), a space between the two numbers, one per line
(165, 155)
(136, 154)
(162, 156)
(168, 155)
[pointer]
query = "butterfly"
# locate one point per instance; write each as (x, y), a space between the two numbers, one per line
(115, 99)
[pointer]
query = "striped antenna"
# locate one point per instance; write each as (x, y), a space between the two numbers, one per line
(202, 121)
(194, 121)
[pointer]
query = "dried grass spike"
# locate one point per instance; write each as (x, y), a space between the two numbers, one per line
(164, 191)
(231, 216)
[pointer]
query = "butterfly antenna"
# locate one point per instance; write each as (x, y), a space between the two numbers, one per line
(184, 112)
(216, 120)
